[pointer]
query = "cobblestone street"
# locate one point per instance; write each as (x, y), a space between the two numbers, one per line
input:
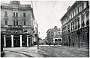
(46, 51)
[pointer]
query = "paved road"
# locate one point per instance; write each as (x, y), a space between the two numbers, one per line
(46, 51)
(64, 51)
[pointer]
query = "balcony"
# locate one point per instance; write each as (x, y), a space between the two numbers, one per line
(28, 27)
(18, 27)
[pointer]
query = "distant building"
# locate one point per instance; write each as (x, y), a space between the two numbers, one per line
(17, 24)
(75, 25)
(54, 36)
(42, 42)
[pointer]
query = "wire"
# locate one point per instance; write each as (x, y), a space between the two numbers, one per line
(52, 9)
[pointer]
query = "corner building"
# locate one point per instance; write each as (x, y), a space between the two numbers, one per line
(75, 25)
(54, 36)
(17, 24)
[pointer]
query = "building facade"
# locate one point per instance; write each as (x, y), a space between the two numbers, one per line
(54, 36)
(75, 25)
(17, 26)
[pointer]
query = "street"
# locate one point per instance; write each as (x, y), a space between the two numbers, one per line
(46, 51)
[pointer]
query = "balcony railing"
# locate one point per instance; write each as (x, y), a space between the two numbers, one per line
(19, 27)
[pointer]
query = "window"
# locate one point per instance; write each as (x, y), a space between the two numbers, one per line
(24, 22)
(14, 14)
(78, 9)
(24, 14)
(59, 39)
(82, 21)
(71, 16)
(71, 26)
(14, 23)
(78, 22)
(17, 22)
(6, 22)
(87, 17)
(75, 11)
(5, 13)
(75, 24)
(87, 3)
(82, 6)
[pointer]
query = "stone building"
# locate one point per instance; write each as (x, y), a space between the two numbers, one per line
(75, 25)
(54, 36)
(17, 26)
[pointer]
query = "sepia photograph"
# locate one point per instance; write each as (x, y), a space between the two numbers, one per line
(35, 28)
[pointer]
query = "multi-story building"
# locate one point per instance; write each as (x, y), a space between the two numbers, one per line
(54, 36)
(17, 26)
(75, 25)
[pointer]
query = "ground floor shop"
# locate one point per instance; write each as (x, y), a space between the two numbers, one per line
(17, 40)
(79, 38)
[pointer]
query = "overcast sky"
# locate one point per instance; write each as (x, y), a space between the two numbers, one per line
(47, 13)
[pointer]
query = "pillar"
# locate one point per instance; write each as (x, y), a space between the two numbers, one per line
(12, 45)
(20, 40)
(80, 21)
(27, 41)
(85, 20)
(4, 41)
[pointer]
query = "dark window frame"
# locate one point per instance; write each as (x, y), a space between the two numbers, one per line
(6, 22)
(24, 14)
(24, 22)
(14, 14)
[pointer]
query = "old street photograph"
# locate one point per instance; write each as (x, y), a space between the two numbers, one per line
(44, 28)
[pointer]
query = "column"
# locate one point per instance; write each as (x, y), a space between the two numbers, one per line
(80, 22)
(4, 41)
(27, 41)
(12, 45)
(20, 40)
(85, 20)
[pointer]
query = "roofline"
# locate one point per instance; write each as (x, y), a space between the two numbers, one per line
(68, 10)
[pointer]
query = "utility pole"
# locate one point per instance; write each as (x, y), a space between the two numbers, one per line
(78, 32)
(38, 41)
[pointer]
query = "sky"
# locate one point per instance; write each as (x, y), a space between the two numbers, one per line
(47, 13)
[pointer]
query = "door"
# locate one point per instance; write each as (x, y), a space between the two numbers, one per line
(17, 41)
(8, 41)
